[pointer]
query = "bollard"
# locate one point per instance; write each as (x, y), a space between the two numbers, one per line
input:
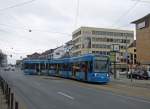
(6, 93)
(9, 90)
(12, 101)
(3, 86)
(16, 105)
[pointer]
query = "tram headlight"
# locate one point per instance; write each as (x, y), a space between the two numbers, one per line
(107, 75)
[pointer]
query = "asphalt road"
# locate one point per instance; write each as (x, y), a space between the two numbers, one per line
(57, 93)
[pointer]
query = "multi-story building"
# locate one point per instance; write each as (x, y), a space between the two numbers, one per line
(100, 40)
(143, 39)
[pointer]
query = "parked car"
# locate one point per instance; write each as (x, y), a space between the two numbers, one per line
(139, 74)
(6, 68)
(9, 68)
(123, 72)
(12, 68)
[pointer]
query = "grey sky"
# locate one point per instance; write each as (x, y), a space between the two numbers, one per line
(52, 21)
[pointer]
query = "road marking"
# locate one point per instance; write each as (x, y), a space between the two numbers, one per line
(138, 99)
(66, 95)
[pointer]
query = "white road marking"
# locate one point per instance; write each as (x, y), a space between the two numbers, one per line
(66, 95)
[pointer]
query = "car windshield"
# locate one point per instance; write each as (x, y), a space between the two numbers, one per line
(100, 66)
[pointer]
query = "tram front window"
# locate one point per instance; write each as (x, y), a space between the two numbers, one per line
(100, 66)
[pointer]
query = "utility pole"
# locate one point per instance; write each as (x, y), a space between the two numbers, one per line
(126, 52)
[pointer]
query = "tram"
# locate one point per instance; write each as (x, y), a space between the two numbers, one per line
(89, 67)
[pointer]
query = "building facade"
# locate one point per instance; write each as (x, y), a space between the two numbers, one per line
(143, 39)
(68, 48)
(3, 59)
(33, 56)
(132, 58)
(58, 52)
(100, 40)
(48, 54)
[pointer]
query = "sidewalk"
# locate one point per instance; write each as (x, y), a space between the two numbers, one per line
(3, 104)
(135, 82)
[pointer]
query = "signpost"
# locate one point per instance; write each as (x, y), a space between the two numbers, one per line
(114, 55)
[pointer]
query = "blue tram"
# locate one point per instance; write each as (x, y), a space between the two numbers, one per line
(90, 67)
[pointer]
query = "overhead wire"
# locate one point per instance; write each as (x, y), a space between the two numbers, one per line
(38, 30)
(17, 5)
(126, 13)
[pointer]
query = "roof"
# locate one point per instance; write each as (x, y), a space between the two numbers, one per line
(136, 21)
(133, 44)
(34, 55)
(47, 52)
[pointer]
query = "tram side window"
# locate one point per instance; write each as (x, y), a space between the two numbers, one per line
(86, 66)
(47, 66)
(26, 66)
(29, 66)
(42, 66)
(53, 67)
(76, 67)
(64, 67)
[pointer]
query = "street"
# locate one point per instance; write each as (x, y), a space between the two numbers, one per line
(41, 92)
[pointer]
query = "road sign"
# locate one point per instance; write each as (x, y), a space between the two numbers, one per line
(115, 47)
(112, 56)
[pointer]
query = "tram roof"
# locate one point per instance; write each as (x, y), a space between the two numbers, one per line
(86, 57)
(35, 61)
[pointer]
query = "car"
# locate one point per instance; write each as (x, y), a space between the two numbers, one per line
(6, 68)
(139, 74)
(12, 68)
(123, 72)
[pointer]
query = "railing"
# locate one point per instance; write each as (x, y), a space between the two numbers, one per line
(8, 95)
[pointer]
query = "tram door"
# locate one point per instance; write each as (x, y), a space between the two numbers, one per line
(85, 69)
(37, 68)
(75, 69)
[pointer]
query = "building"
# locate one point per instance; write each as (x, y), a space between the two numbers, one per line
(132, 58)
(3, 59)
(33, 56)
(68, 49)
(100, 40)
(143, 39)
(48, 54)
(58, 52)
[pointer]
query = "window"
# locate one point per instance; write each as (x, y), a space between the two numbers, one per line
(57, 53)
(76, 34)
(134, 55)
(134, 50)
(100, 66)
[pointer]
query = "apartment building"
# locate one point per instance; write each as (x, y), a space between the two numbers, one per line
(100, 40)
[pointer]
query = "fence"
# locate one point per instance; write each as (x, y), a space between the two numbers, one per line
(8, 95)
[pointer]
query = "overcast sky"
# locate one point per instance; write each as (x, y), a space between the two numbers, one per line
(52, 21)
